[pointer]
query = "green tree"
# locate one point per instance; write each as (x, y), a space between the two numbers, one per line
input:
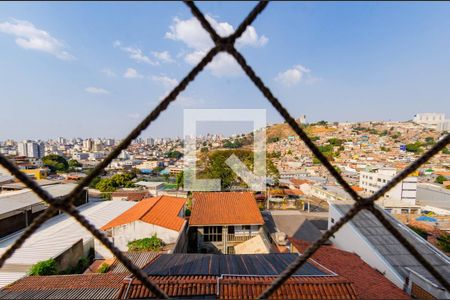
(180, 180)
(415, 148)
(443, 242)
(429, 140)
(106, 185)
(440, 179)
(446, 150)
(94, 182)
(273, 139)
(44, 268)
(73, 163)
(55, 163)
(336, 141)
(174, 154)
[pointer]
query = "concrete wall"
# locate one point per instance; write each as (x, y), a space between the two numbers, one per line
(182, 241)
(17, 220)
(70, 257)
(349, 239)
(122, 235)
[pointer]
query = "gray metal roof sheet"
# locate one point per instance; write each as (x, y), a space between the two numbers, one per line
(216, 265)
(10, 201)
(392, 250)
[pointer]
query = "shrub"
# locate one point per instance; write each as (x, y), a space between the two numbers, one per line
(44, 268)
(443, 242)
(147, 244)
(104, 267)
(82, 265)
(419, 231)
(440, 179)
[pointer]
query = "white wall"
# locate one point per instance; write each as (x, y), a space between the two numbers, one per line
(349, 239)
(121, 235)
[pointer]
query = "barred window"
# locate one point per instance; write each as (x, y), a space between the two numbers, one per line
(212, 233)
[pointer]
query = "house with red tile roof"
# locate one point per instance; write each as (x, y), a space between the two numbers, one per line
(368, 282)
(221, 220)
(163, 216)
(300, 184)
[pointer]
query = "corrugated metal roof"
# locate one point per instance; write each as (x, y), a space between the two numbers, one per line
(214, 264)
(92, 286)
(392, 250)
(11, 201)
(242, 287)
(233, 287)
(59, 233)
(139, 259)
(9, 277)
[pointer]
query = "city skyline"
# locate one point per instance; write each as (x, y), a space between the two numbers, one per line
(341, 65)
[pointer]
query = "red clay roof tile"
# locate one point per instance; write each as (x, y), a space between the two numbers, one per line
(162, 211)
(368, 283)
(222, 208)
(243, 287)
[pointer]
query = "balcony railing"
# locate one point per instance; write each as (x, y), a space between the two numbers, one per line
(239, 238)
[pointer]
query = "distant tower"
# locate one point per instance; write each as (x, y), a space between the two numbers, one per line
(302, 119)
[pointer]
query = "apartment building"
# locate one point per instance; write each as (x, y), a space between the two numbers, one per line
(371, 180)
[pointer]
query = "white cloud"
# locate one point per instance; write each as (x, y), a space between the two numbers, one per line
(29, 37)
(108, 72)
(163, 56)
(165, 81)
(96, 90)
(132, 73)
(295, 75)
(135, 54)
(192, 34)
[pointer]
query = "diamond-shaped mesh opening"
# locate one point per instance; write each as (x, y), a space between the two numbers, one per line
(224, 44)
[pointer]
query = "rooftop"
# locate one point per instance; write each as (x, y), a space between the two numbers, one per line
(392, 250)
(368, 283)
(293, 223)
(162, 211)
(92, 286)
(224, 208)
(55, 236)
(11, 201)
(234, 264)
(242, 287)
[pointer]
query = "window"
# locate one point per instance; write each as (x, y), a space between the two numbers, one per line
(212, 233)
(230, 229)
(245, 227)
(332, 220)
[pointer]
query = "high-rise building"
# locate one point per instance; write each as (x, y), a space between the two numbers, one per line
(87, 145)
(150, 141)
(31, 149)
(22, 149)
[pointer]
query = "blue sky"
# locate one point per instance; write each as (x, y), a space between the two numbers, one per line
(96, 69)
